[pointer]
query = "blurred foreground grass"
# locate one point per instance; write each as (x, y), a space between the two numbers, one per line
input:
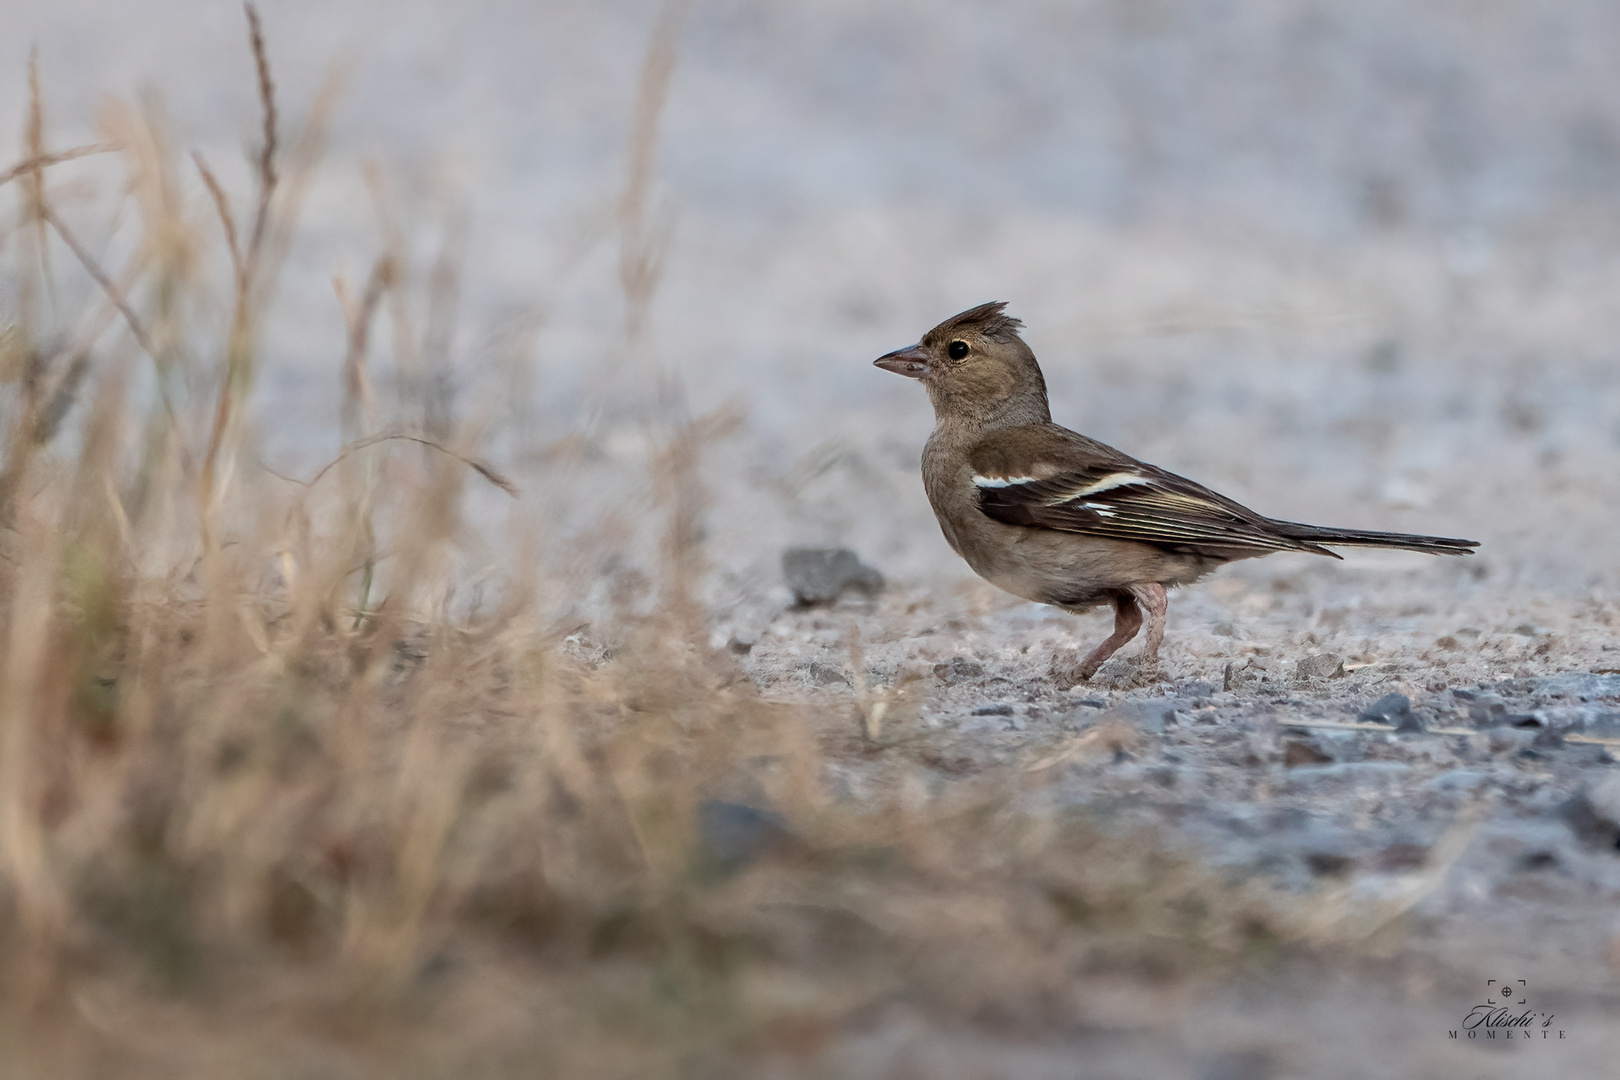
(277, 798)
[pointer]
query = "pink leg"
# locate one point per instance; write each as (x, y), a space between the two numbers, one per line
(1127, 621)
(1155, 602)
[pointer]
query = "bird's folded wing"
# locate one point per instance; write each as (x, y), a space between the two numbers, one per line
(1048, 480)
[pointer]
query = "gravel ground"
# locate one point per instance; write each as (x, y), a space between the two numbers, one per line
(1453, 824)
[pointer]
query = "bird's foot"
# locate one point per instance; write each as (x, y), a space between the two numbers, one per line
(1069, 669)
(1129, 673)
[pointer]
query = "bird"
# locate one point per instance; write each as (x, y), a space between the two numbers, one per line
(1053, 516)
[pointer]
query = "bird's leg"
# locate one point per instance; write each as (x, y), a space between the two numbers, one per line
(1127, 621)
(1155, 601)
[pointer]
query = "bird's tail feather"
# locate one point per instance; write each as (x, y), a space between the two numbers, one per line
(1433, 545)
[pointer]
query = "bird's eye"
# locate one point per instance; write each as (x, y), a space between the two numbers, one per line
(957, 349)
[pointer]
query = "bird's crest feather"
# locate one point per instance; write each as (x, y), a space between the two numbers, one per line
(988, 320)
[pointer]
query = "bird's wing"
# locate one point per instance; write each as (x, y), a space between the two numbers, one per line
(1047, 477)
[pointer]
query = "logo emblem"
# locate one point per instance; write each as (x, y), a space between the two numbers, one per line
(1505, 1014)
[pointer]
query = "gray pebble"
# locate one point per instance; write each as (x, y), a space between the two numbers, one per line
(732, 835)
(1319, 666)
(1487, 710)
(826, 675)
(1592, 821)
(958, 669)
(821, 575)
(1392, 709)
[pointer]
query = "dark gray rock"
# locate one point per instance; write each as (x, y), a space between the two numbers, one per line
(1402, 856)
(1250, 673)
(994, 709)
(1298, 752)
(958, 669)
(1487, 710)
(1593, 813)
(821, 575)
(732, 835)
(1329, 863)
(826, 674)
(1395, 710)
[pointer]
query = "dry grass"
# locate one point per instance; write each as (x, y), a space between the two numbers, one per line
(274, 799)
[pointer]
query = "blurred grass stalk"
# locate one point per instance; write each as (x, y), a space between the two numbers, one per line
(255, 758)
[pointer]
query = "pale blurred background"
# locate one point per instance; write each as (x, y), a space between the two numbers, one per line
(1354, 263)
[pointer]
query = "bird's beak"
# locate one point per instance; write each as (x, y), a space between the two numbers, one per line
(912, 362)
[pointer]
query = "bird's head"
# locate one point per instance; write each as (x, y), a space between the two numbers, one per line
(975, 366)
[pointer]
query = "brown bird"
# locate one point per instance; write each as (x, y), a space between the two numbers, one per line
(1061, 519)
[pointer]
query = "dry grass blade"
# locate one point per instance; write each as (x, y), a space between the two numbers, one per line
(45, 161)
(1107, 737)
(222, 205)
(136, 328)
(34, 181)
(641, 245)
(357, 395)
(268, 175)
(484, 469)
(1348, 913)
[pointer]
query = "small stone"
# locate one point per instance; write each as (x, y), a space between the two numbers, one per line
(1297, 752)
(1402, 857)
(821, 575)
(740, 645)
(1320, 666)
(997, 709)
(1547, 740)
(1506, 740)
(732, 835)
(1538, 860)
(1329, 863)
(958, 669)
(1487, 710)
(826, 674)
(1593, 813)
(1395, 710)
(1243, 676)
